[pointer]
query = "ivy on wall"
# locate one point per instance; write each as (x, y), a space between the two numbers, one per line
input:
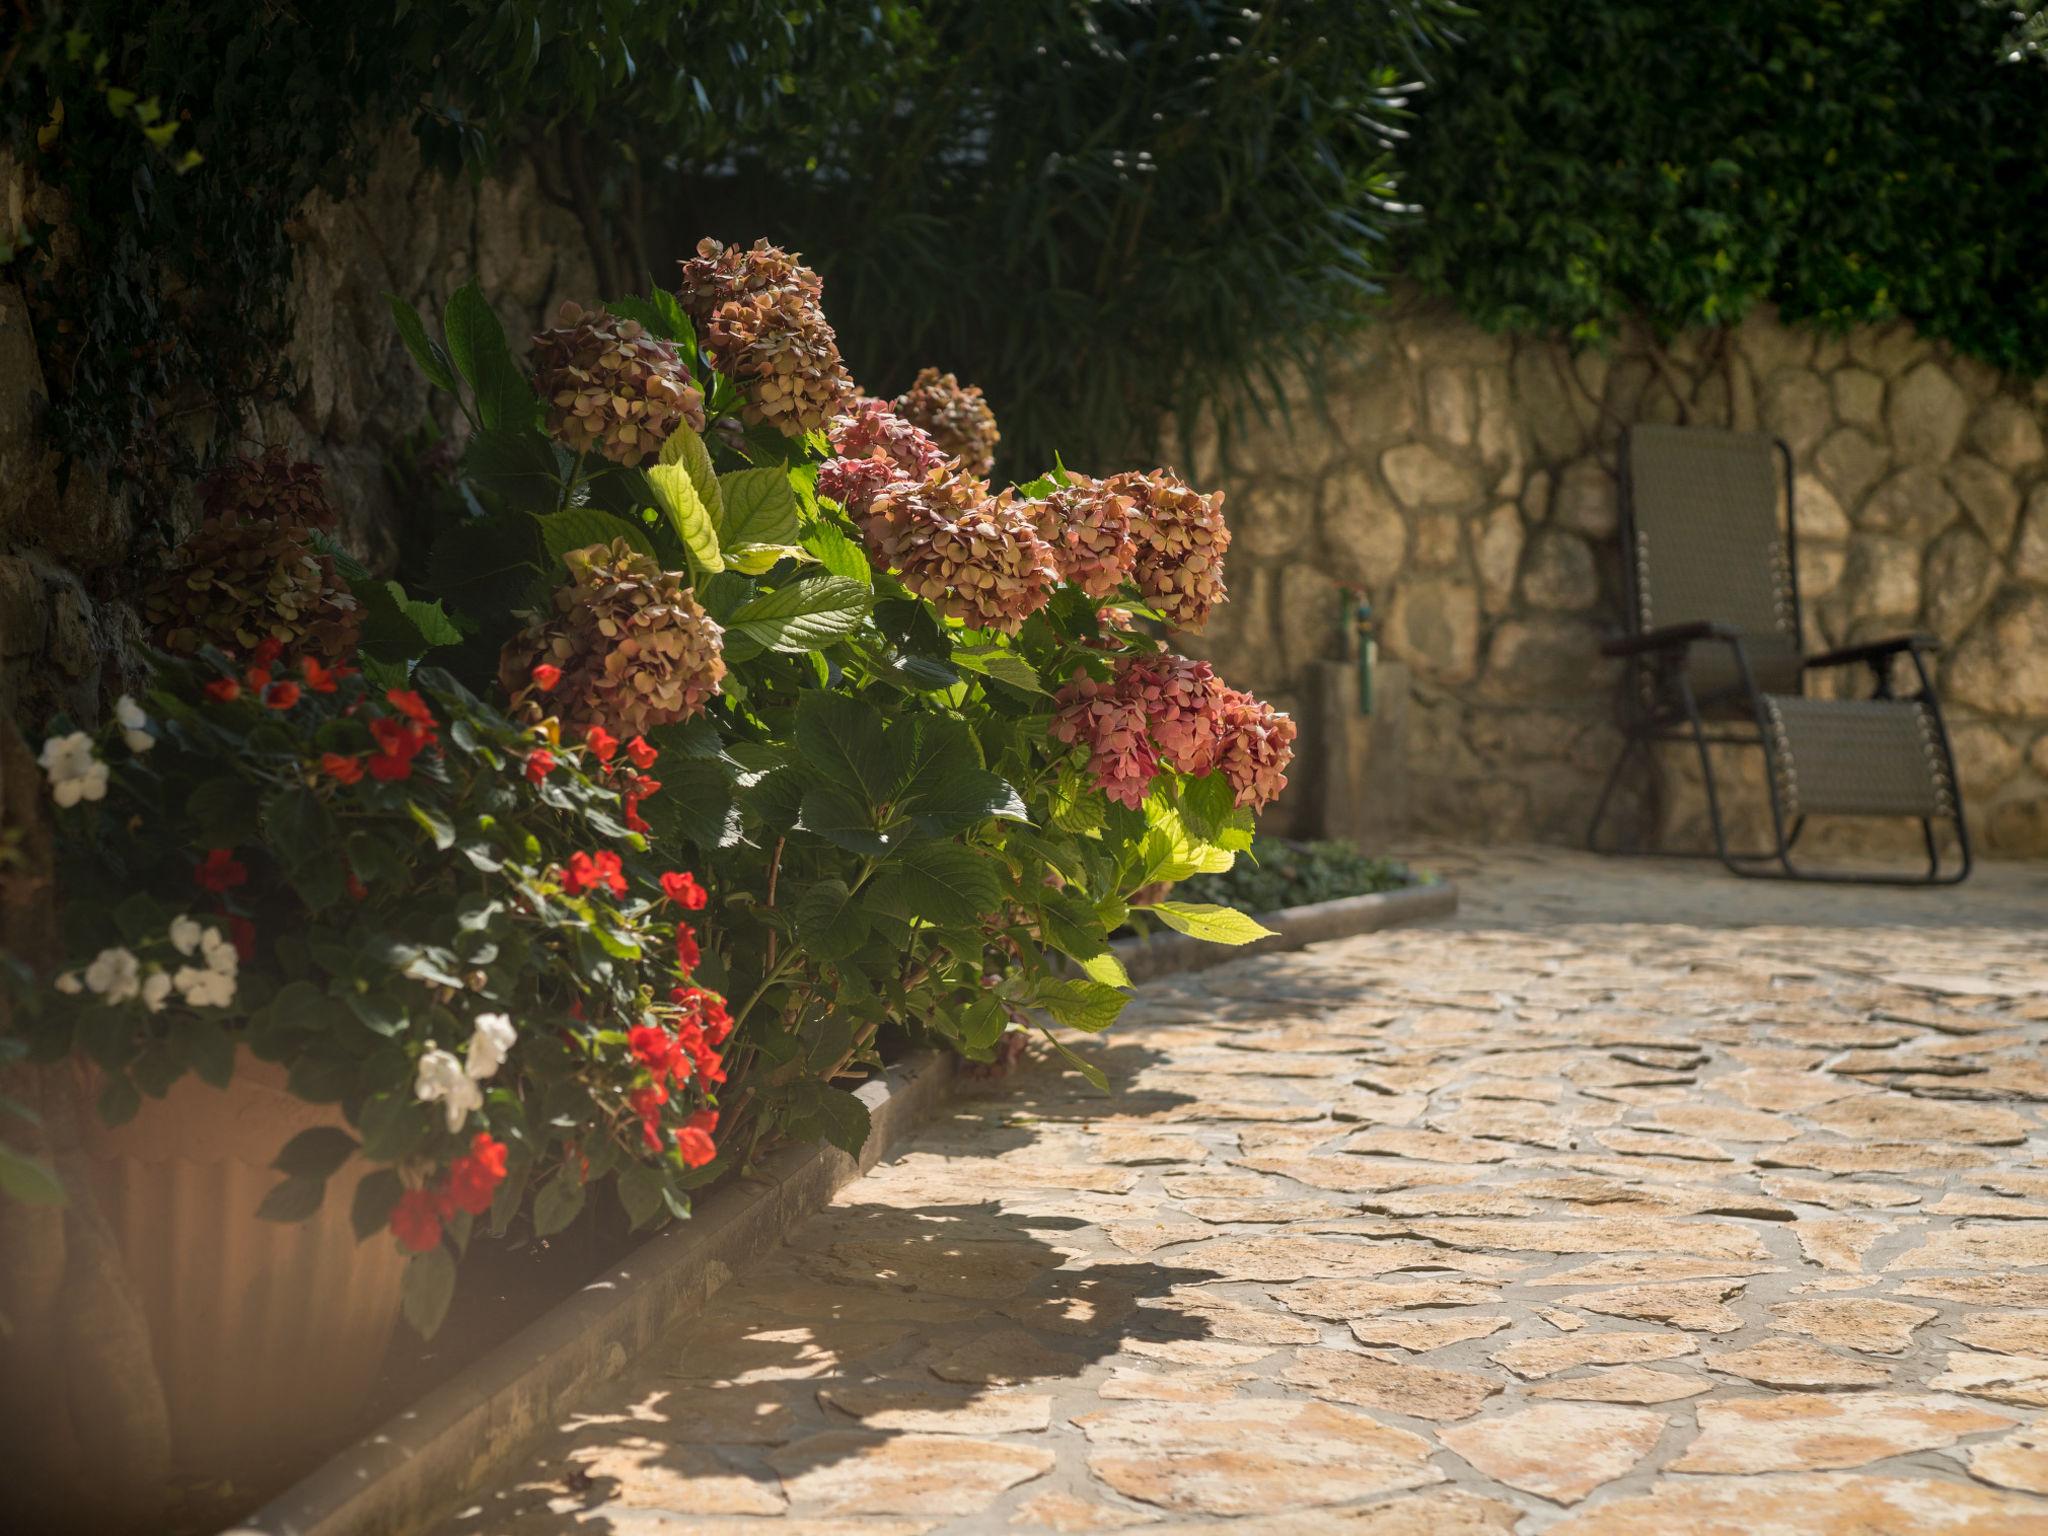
(1580, 163)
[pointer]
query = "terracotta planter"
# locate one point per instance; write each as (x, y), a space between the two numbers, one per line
(268, 1336)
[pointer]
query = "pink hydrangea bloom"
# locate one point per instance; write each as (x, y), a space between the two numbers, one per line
(1183, 703)
(875, 448)
(1181, 540)
(971, 555)
(1111, 724)
(1257, 746)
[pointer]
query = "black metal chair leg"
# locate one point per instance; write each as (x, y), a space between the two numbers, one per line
(1629, 749)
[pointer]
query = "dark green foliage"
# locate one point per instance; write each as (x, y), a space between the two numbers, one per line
(1102, 211)
(191, 131)
(1280, 872)
(1578, 163)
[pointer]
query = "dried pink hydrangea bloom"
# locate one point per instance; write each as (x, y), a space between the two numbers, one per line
(957, 417)
(611, 387)
(875, 447)
(757, 313)
(973, 556)
(634, 648)
(1258, 744)
(1111, 724)
(1181, 541)
(1088, 526)
(1183, 703)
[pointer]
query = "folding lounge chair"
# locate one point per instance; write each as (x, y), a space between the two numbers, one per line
(1714, 657)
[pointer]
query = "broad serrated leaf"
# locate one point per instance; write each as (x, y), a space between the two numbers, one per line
(1004, 666)
(760, 507)
(838, 553)
(1201, 920)
(1080, 1003)
(759, 559)
(375, 1195)
(476, 344)
(841, 737)
(829, 921)
(805, 615)
(944, 884)
(842, 819)
(677, 495)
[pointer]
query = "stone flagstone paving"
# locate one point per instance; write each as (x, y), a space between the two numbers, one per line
(1639, 1201)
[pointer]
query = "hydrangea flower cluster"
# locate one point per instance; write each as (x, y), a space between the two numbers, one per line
(612, 387)
(1181, 540)
(254, 570)
(1258, 744)
(758, 314)
(971, 555)
(1171, 711)
(627, 647)
(1088, 526)
(874, 447)
(957, 417)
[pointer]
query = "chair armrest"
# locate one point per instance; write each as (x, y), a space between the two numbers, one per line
(1670, 637)
(1875, 650)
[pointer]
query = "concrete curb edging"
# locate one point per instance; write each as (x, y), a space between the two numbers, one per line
(1160, 954)
(418, 1464)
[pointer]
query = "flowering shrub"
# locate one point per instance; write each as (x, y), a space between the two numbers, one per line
(955, 415)
(434, 917)
(796, 711)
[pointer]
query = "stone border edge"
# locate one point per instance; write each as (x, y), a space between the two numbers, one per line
(412, 1467)
(1153, 955)
(415, 1465)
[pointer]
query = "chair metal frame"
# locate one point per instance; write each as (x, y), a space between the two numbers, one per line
(1660, 704)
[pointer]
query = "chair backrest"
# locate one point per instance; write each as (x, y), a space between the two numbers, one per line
(1704, 542)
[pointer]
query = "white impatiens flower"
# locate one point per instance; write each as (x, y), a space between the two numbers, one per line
(185, 934)
(69, 984)
(134, 725)
(219, 953)
(204, 988)
(156, 990)
(489, 1046)
(115, 974)
(75, 770)
(441, 1077)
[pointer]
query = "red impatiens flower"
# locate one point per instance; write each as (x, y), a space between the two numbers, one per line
(602, 743)
(539, 764)
(545, 676)
(398, 743)
(642, 752)
(357, 891)
(473, 1178)
(242, 934)
(684, 891)
(410, 704)
(321, 679)
(341, 768)
(223, 690)
(704, 1010)
(654, 1048)
(220, 871)
(696, 1146)
(687, 953)
(416, 1221)
(267, 651)
(705, 1120)
(594, 871)
(281, 695)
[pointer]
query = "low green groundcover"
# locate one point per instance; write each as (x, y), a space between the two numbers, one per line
(1283, 872)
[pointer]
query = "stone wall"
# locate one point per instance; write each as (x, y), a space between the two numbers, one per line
(1467, 482)
(74, 550)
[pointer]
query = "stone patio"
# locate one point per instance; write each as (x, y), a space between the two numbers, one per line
(1638, 1200)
